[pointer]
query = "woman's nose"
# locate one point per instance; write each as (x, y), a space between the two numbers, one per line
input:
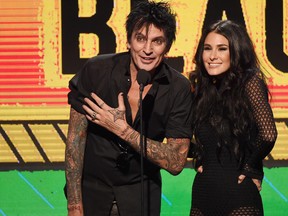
(213, 55)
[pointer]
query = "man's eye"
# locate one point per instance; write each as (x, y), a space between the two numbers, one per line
(140, 38)
(159, 42)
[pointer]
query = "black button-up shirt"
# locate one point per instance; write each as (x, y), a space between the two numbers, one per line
(166, 114)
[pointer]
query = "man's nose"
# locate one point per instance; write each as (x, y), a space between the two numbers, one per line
(148, 48)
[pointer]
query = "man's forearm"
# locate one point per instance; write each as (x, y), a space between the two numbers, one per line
(170, 156)
(74, 154)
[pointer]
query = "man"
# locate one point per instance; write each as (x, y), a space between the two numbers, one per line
(102, 153)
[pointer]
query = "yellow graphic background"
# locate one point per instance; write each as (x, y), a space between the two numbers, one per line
(33, 104)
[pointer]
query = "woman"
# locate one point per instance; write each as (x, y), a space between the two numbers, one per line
(233, 123)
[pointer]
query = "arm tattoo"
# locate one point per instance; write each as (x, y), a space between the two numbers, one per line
(74, 154)
(170, 156)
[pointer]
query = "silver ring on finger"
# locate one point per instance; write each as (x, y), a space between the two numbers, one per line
(93, 116)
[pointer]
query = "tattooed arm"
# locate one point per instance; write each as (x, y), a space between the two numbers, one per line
(170, 156)
(74, 154)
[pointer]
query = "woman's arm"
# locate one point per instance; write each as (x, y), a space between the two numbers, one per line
(74, 154)
(265, 123)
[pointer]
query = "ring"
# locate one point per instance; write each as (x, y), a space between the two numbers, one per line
(93, 116)
(101, 104)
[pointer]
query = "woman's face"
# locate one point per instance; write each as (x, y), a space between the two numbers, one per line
(216, 54)
(147, 48)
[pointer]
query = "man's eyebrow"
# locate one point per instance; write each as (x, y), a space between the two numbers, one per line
(139, 33)
(160, 37)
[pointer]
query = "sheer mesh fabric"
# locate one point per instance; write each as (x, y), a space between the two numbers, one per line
(264, 119)
(216, 191)
(242, 211)
(262, 113)
(114, 209)
(246, 211)
(195, 212)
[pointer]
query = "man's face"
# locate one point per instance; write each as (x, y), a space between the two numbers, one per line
(147, 48)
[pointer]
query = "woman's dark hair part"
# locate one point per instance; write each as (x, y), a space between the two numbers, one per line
(158, 14)
(216, 97)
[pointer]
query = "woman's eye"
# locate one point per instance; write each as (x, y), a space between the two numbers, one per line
(223, 48)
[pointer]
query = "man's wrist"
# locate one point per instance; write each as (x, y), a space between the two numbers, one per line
(123, 134)
(131, 136)
(74, 207)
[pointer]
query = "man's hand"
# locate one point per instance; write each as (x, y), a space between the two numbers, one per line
(170, 156)
(113, 119)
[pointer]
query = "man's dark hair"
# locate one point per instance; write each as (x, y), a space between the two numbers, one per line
(158, 14)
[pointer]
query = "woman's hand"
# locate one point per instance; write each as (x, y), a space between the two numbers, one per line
(200, 169)
(113, 119)
(257, 182)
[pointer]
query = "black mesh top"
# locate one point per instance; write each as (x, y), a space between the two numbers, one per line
(216, 191)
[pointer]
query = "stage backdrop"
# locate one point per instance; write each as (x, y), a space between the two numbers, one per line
(43, 43)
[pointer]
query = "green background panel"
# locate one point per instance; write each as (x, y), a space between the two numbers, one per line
(40, 193)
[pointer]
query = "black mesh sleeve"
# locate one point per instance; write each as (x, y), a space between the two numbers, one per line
(266, 128)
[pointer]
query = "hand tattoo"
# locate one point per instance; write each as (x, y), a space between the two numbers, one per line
(117, 114)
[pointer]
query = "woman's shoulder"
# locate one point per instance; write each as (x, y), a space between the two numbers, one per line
(256, 83)
(255, 79)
